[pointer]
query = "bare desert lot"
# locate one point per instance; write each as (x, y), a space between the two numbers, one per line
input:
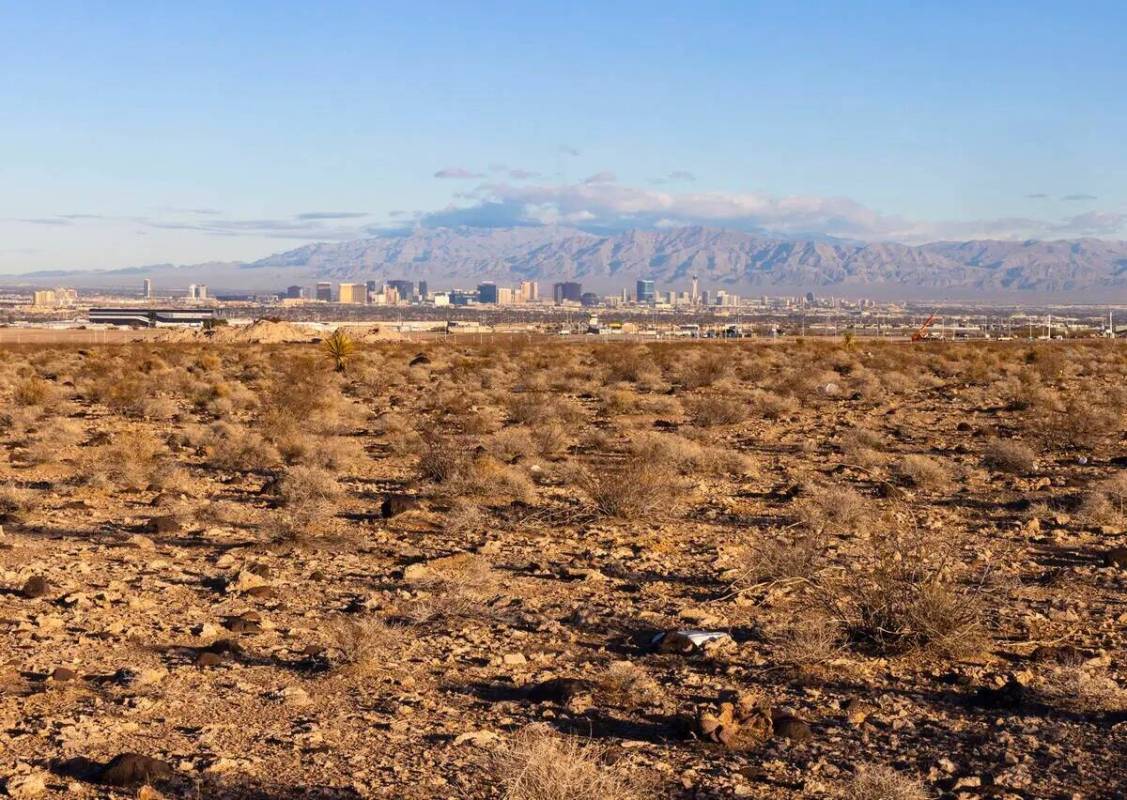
(546, 570)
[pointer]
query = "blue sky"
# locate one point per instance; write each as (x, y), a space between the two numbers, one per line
(137, 133)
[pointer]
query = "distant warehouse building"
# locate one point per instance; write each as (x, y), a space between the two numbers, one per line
(151, 317)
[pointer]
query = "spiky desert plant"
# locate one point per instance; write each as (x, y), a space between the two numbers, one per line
(339, 346)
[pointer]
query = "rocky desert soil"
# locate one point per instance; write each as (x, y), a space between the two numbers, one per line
(535, 570)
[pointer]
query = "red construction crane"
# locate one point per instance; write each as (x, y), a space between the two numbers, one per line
(921, 334)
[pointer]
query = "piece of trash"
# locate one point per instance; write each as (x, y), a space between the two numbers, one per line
(684, 641)
(1082, 460)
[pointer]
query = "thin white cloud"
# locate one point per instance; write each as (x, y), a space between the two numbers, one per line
(457, 173)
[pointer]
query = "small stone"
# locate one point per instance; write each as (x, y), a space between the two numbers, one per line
(395, 504)
(25, 787)
(476, 738)
(513, 659)
(246, 582)
(208, 659)
(35, 586)
(166, 523)
(1116, 557)
(63, 674)
(128, 769)
(793, 728)
(558, 690)
(141, 542)
(416, 573)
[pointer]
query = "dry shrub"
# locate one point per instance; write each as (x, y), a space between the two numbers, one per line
(884, 783)
(133, 459)
(714, 409)
(15, 502)
(397, 433)
(1005, 455)
(628, 685)
(689, 457)
(632, 489)
(551, 438)
(489, 478)
(703, 370)
(1106, 503)
(1080, 688)
(456, 586)
(34, 391)
(902, 597)
(511, 444)
(442, 459)
(784, 557)
(233, 447)
(1081, 424)
(837, 509)
(923, 472)
(307, 498)
(539, 764)
(369, 646)
(807, 640)
(772, 405)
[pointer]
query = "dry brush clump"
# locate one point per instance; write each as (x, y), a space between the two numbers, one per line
(632, 488)
(539, 764)
(307, 498)
(878, 782)
(1011, 456)
(1106, 502)
(836, 509)
(923, 472)
(903, 595)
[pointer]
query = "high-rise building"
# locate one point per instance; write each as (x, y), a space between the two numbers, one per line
(529, 292)
(192, 291)
(353, 293)
(694, 295)
(201, 291)
(43, 298)
(645, 292)
(567, 292)
(487, 292)
(325, 291)
(405, 289)
(390, 295)
(293, 292)
(504, 296)
(148, 289)
(423, 293)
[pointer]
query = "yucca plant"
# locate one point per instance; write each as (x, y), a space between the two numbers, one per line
(339, 347)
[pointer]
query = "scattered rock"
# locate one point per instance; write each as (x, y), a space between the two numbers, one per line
(513, 659)
(418, 360)
(165, 523)
(477, 739)
(129, 769)
(63, 674)
(1116, 557)
(791, 727)
(686, 641)
(395, 504)
(738, 726)
(1008, 696)
(558, 690)
(35, 586)
(208, 659)
(26, 786)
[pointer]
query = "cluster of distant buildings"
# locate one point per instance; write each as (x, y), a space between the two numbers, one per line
(564, 293)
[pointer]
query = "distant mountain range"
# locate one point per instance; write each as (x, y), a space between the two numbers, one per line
(1084, 269)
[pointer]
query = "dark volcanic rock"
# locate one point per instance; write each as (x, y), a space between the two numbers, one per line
(129, 769)
(35, 586)
(791, 727)
(558, 690)
(395, 504)
(1116, 557)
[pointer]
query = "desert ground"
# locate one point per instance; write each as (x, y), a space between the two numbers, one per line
(542, 570)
